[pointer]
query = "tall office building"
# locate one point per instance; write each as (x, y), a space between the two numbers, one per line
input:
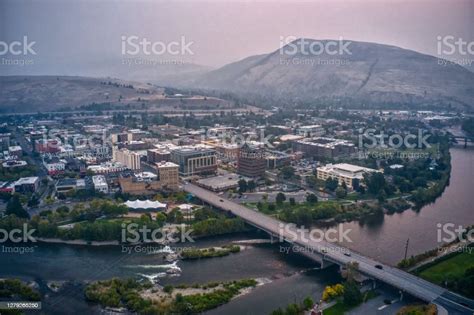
(251, 161)
(128, 158)
(195, 160)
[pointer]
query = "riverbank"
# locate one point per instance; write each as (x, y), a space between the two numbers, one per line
(146, 298)
(77, 242)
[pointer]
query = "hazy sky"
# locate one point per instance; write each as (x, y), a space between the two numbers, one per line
(225, 31)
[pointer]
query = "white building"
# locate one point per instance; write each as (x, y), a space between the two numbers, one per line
(55, 166)
(100, 183)
(344, 173)
(128, 158)
(311, 131)
(107, 167)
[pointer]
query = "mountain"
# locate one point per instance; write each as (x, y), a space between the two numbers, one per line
(364, 73)
(163, 72)
(46, 93)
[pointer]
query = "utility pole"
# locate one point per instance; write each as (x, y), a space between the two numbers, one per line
(406, 248)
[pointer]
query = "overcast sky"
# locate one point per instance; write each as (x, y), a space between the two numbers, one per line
(226, 31)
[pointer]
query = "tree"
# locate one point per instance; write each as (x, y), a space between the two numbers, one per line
(271, 207)
(375, 182)
(311, 198)
(14, 207)
(287, 172)
(311, 181)
(308, 303)
(381, 196)
(242, 185)
(341, 192)
(33, 202)
(352, 295)
(280, 198)
(331, 184)
(160, 217)
(292, 201)
(251, 185)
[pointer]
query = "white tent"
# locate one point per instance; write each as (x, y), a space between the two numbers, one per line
(144, 204)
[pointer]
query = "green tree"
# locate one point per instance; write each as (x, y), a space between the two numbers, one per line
(271, 207)
(287, 172)
(341, 192)
(375, 182)
(308, 303)
(292, 201)
(242, 185)
(33, 202)
(251, 185)
(311, 198)
(14, 207)
(280, 198)
(331, 184)
(352, 295)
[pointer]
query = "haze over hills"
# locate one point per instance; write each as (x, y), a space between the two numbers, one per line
(369, 73)
(47, 93)
(365, 74)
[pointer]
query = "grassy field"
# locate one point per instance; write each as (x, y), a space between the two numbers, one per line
(340, 308)
(450, 269)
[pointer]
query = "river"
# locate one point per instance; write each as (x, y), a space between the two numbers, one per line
(385, 239)
(287, 278)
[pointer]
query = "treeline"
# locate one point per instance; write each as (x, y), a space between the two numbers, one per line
(218, 226)
(197, 253)
(14, 288)
(310, 213)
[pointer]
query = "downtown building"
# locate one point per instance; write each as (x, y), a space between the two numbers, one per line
(167, 178)
(321, 147)
(251, 161)
(127, 158)
(194, 160)
(351, 175)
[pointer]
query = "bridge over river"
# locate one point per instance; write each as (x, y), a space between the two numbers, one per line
(325, 252)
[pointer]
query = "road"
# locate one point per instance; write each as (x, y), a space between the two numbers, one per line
(404, 281)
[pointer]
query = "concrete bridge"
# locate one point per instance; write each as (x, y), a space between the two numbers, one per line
(328, 253)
